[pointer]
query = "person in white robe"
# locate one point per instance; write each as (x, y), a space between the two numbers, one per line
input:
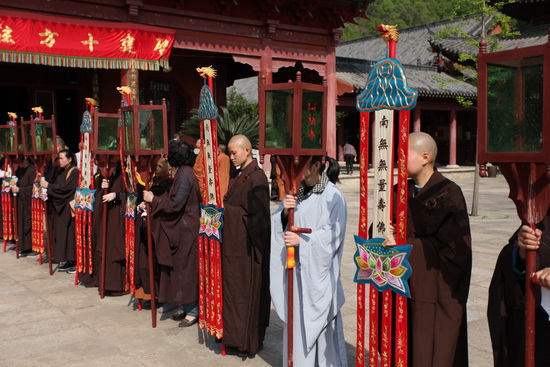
(318, 331)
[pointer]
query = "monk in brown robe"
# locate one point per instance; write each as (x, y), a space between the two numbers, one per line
(506, 308)
(245, 252)
(175, 228)
(26, 173)
(60, 192)
(439, 230)
(115, 251)
(161, 183)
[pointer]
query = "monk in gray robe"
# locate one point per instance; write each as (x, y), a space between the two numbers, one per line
(318, 330)
(245, 252)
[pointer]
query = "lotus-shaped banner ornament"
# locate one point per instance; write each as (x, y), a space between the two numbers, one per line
(384, 267)
(211, 222)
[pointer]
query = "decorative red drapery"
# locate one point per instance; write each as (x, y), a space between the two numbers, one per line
(70, 42)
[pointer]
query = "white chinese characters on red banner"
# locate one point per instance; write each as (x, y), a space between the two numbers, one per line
(20, 32)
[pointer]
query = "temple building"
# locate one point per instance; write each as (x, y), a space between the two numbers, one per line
(56, 53)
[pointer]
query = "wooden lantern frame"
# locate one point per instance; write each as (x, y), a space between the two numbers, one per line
(31, 124)
(136, 149)
(16, 128)
(298, 87)
(509, 56)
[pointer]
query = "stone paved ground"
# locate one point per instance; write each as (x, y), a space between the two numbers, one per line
(47, 321)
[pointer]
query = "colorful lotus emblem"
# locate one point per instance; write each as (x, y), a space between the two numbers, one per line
(384, 267)
(211, 222)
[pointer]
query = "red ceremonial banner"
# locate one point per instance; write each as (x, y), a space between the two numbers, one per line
(70, 42)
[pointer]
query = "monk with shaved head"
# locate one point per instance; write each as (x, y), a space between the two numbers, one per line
(439, 230)
(245, 252)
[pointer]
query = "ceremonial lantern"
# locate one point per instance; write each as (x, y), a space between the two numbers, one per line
(39, 141)
(293, 127)
(106, 149)
(145, 138)
(385, 269)
(9, 148)
(211, 221)
(514, 131)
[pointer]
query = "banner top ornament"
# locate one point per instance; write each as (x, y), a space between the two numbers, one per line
(386, 88)
(207, 108)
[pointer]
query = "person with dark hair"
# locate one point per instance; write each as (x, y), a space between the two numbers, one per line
(245, 252)
(506, 307)
(115, 251)
(162, 181)
(60, 191)
(175, 227)
(318, 292)
(26, 173)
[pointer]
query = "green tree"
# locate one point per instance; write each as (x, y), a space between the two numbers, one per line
(487, 13)
(403, 13)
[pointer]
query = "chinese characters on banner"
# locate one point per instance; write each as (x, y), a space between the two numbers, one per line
(21, 33)
(383, 136)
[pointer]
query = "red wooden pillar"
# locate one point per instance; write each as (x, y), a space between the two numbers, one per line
(452, 139)
(330, 72)
(416, 119)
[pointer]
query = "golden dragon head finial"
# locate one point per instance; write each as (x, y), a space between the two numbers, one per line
(91, 102)
(13, 115)
(124, 89)
(37, 109)
(207, 71)
(389, 32)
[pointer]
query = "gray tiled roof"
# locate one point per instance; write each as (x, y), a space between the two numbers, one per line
(424, 79)
(413, 47)
(529, 36)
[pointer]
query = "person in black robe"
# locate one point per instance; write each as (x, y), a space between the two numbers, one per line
(506, 307)
(115, 251)
(245, 252)
(438, 228)
(161, 183)
(60, 192)
(175, 229)
(26, 173)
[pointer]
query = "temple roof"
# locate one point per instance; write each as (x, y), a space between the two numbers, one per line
(424, 79)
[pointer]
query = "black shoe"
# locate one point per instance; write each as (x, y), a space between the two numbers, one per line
(71, 270)
(67, 266)
(25, 253)
(178, 316)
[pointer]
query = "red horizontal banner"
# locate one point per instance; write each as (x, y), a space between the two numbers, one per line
(83, 40)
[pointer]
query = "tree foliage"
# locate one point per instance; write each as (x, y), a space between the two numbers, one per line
(403, 13)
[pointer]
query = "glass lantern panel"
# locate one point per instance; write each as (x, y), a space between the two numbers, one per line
(107, 133)
(312, 119)
(28, 137)
(151, 133)
(7, 140)
(514, 112)
(45, 141)
(278, 118)
(128, 131)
